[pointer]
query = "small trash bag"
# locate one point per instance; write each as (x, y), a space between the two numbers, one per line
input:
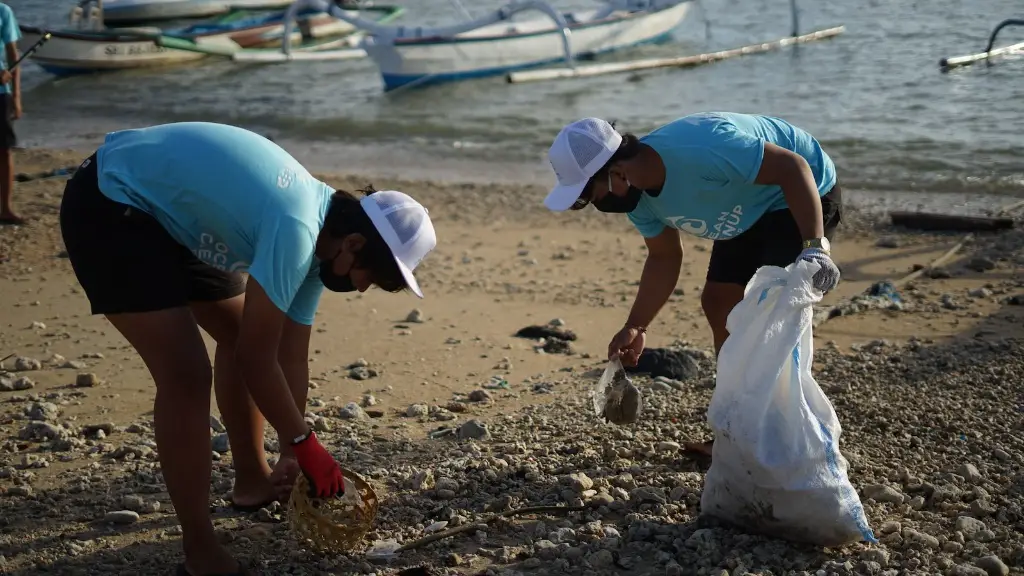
(776, 467)
(615, 397)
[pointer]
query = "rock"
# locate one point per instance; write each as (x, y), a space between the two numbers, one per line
(42, 411)
(216, 425)
(992, 565)
(888, 242)
(417, 410)
(361, 373)
(921, 539)
(668, 446)
(86, 380)
(890, 526)
(883, 493)
(966, 570)
(981, 264)
(968, 526)
(221, 444)
(474, 430)
(368, 400)
(970, 473)
(877, 555)
(415, 316)
(121, 517)
(351, 411)
(479, 396)
(24, 364)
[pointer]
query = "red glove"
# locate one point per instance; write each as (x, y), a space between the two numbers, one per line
(319, 467)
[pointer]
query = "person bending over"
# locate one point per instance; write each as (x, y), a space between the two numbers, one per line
(159, 225)
(761, 188)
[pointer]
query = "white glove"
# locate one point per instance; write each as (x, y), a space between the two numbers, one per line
(827, 278)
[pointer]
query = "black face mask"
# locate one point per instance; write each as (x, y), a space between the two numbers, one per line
(613, 204)
(335, 282)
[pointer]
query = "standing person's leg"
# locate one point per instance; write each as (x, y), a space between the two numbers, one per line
(132, 272)
(8, 140)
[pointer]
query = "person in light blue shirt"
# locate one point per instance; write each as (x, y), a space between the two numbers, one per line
(159, 225)
(760, 188)
(10, 110)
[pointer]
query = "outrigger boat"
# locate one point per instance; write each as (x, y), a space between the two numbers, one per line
(494, 45)
(88, 46)
(138, 12)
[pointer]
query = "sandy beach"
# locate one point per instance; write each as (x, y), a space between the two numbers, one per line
(930, 398)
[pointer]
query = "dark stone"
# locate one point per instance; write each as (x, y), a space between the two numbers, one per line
(665, 362)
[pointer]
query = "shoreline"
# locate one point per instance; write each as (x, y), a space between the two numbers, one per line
(448, 166)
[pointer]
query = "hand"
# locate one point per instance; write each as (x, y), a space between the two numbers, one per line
(16, 112)
(319, 467)
(6, 77)
(628, 345)
(827, 278)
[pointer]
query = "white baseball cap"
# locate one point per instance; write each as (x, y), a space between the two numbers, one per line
(579, 151)
(406, 228)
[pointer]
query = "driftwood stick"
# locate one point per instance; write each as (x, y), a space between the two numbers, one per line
(482, 524)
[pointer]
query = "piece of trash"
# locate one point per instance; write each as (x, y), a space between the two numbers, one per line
(497, 383)
(615, 397)
(383, 549)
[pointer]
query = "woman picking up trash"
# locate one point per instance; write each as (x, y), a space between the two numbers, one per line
(159, 223)
(762, 189)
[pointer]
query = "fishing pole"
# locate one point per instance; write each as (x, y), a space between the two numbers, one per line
(46, 36)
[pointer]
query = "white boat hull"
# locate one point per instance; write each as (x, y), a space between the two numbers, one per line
(504, 47)
(72, 53)
(118, 11)
(69, 55)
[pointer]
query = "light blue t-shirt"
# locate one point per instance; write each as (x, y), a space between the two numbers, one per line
(238, 201)
(9, 34)
(711, 161)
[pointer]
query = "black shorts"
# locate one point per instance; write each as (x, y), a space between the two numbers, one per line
(8, 139)
(126, 261)
(774, 240)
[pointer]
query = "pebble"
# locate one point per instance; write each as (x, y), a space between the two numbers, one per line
(121, 517)
(992, 565)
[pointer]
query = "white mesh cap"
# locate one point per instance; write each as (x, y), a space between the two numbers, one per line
(579, 151)
(406, 228)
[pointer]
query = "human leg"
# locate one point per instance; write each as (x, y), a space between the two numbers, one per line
(7, 141)
(131, 273)
(173, 350)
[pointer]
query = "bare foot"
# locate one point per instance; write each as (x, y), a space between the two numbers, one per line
(283, 477)
(10, 218)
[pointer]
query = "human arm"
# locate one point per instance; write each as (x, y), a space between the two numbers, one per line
(658, 280)
(9, 35)
(272, 350)
(12, 56)
(293, 357)
(792, 173)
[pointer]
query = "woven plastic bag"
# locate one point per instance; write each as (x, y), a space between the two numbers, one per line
(776, 467)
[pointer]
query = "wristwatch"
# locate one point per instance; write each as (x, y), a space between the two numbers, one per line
(819, 243)
(302, 438)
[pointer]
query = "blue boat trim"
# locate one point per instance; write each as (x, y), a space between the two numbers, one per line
(393, 81)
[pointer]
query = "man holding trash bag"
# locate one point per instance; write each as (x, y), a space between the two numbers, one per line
(762, 189)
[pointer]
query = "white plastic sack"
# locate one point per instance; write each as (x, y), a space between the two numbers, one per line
(776, 467)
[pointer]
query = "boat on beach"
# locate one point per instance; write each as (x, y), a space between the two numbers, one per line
(92, 47)
(494, 44)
